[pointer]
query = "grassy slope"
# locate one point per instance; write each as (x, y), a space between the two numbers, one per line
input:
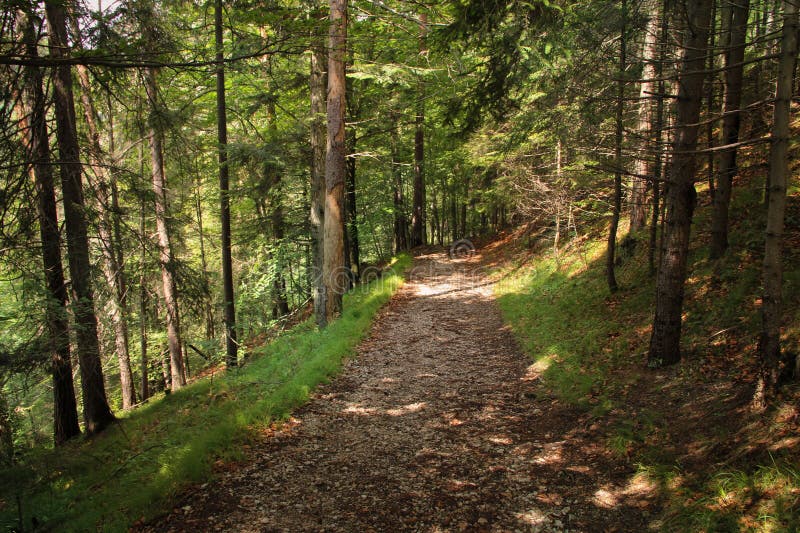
(714, 465)
(130, 471)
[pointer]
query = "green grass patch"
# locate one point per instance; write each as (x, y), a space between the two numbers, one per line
(133, 470)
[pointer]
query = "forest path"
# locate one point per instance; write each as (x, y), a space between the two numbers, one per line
(437, 425)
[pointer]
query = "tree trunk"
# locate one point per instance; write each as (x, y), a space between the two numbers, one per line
(335, 163)
(418, 236)
(33, 122)
(278, 224)
(155, 135)
(774, 364)
(143, 296)
(637, 201)
(96, 412)
(681, 195)
(207, 298)
(617, 200)
(112, 268)
(231, 346)
(352, 212)
(318, 87)
(400, 231)
(734, 56)
(658, 139)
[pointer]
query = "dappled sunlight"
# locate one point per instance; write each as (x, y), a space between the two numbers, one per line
(533, 517)
(551, 454)
(406, 409)
(357, 409)
(605, 498)
(535, 371)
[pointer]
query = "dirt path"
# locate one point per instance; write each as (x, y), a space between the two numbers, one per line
(437, 425)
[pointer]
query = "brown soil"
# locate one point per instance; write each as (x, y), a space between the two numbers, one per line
(439, 424)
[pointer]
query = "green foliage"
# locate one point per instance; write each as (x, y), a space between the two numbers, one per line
(133, 469)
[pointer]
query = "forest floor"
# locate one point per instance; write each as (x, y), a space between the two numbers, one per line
(439, 424)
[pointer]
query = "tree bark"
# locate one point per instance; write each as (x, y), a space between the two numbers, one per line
(775, 364)
(231, 346)
(681, 195)
(418, 226)
(398, 198)
(156, 140)
(318, 87)
(637, 201)
(734, 57)
(96, 411)
(335, 163)
(35, 140)
(617, 200)
(352, 213)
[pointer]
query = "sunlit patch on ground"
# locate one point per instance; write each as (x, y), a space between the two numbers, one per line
(535, 371)
(605, 498)
(533, 517)
(406, 409)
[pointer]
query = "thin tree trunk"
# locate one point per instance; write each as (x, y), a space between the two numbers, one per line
(335, 163)
(36, 142)
(734, 56)
(400, 243)
(418, 236)
(711, 81)
(278, 224)
(681, 195)
(318, 87)
(96, 411)
(112, 269)
(231, 346)
(352, 212)
(775, 364)
(143, 299)
(177, 371)
(198, 208)
(637, 201)
(617, 200)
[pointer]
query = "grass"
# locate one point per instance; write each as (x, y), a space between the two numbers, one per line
(717, 466)
(132, 471)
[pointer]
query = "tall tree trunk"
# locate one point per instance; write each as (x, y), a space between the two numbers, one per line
(207, 303)
(658, 138)
(400, 230)
(352, 212)
(617, 200)
(231, 346)
(170, 293)
(681, 195)
(734, 57)
(143, 295)
(34, 126)
(418, 236)
(774, 364)
(111, 266)
(637, 201)
(278, 224)
(335, 163)
(711, 82)
(318, 88)
(96, 412)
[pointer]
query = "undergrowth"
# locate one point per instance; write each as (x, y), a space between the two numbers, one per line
(716, 465)
(131, 471)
